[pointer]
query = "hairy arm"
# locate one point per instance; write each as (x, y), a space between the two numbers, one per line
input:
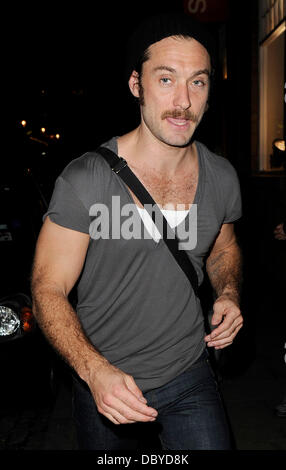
(224, 268)
(59, 258)
(224, 264)
(55, 271)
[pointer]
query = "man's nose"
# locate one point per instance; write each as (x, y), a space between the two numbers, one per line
(182, 97)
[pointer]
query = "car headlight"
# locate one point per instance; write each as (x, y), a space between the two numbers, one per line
(9, 321)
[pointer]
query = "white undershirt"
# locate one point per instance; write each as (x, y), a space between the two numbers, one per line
(173, 217)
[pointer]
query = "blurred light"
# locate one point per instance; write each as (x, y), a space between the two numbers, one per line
(43, 130)
(27, 319)
(24, 123)
(278, 157)
(280, 144)
(39, 141)
(57, 136)
(224, 66)
(225, 72)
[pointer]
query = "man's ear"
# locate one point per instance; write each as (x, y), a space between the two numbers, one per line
(134, 83)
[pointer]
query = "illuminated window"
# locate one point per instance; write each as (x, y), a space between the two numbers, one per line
(272, 81)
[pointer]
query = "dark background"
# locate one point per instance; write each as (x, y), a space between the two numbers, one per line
(68, 71)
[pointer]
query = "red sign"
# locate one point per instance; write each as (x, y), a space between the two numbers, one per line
(207, 10)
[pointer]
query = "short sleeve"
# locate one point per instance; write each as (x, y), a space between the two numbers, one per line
(66, 208)
(233, 208)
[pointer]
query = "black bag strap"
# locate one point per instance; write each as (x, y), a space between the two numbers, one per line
(121, 168)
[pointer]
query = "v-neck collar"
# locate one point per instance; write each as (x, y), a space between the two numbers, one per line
(113, 145)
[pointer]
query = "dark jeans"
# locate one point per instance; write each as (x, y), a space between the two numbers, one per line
(190, 416)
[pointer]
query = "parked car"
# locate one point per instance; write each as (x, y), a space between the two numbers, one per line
(28, 362)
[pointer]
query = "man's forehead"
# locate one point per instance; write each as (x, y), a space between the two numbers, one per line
(176, 48)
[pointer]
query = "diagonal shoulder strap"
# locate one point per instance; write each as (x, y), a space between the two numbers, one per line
(120, 167)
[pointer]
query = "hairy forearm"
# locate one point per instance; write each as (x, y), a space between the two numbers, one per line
(59, 323)
(224, 269)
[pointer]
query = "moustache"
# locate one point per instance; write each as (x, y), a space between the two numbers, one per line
(176, 114)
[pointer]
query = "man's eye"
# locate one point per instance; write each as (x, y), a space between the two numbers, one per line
(199, 82)
(165, 80)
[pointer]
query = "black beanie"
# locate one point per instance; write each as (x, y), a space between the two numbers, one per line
(158, 27)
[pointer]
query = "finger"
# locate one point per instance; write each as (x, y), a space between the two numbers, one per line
(144, 413)
(223, 346)
(122, 412)
(132, 401)
(228, 331)
(217, 316)
(232, 318)
(126, 400)
(227, 334)
(224, 341)
(117, 418)
(112, 414)
(132, 386)
(222, 307)
(110, 417)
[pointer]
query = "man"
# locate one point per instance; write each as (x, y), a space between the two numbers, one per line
(137, 341)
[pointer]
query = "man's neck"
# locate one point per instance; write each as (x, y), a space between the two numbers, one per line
(143, 150)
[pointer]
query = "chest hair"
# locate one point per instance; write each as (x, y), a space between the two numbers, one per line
(168, 192)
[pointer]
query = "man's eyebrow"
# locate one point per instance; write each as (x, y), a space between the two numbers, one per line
(172, 70)
(164, 67)
(201, 72)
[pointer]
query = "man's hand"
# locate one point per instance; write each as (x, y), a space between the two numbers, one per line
(118, 397)
(228, 316)
(279, 233)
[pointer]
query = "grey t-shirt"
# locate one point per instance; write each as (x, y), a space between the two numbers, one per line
(135, 304)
